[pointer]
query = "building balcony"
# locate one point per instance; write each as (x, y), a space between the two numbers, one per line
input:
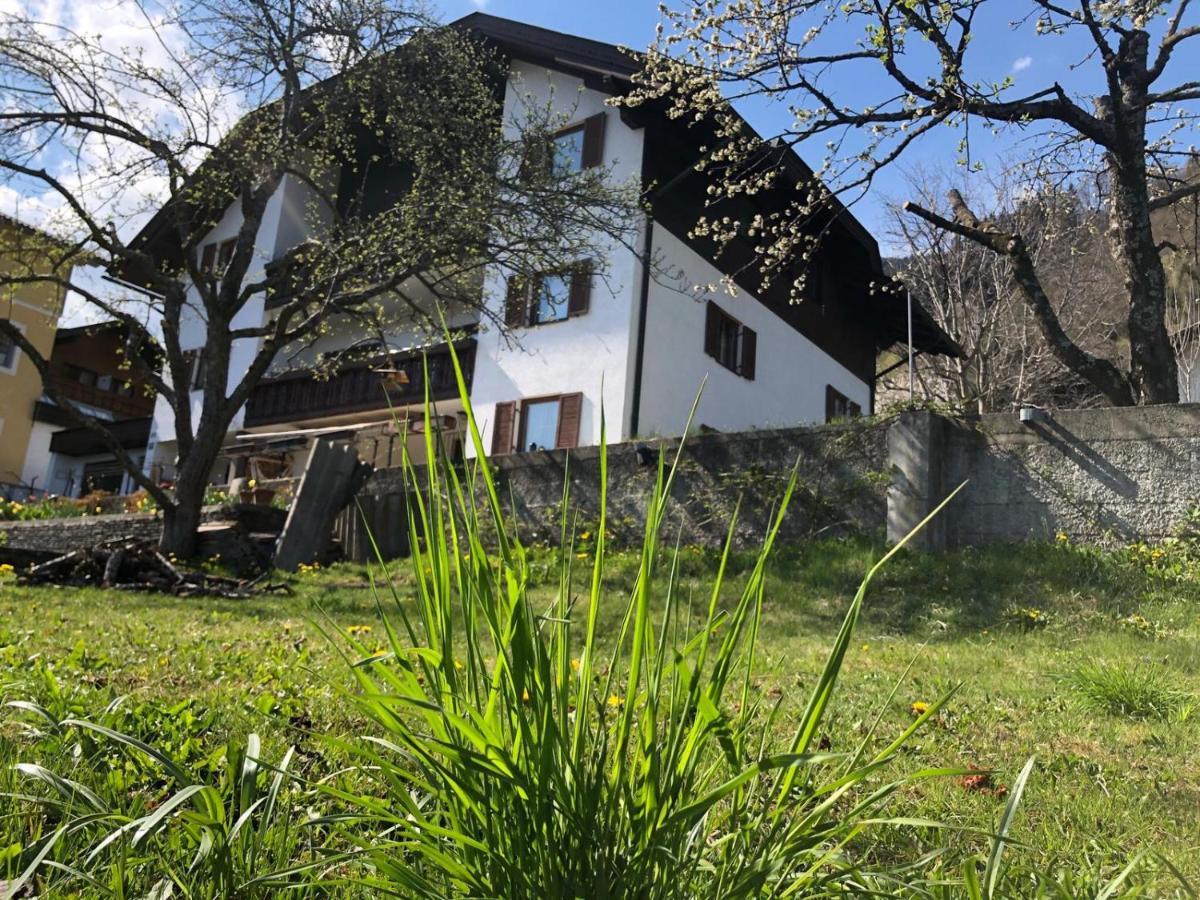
(132, 404)
(374, 386)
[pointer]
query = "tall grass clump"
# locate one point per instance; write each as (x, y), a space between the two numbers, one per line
(519, 752)
(1136, 692)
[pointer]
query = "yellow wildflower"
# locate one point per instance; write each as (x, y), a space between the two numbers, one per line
(359, 629)
(574, 662)
(614, 701)
(919, 707)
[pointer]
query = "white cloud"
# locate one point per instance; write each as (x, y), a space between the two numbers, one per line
(1022, 63)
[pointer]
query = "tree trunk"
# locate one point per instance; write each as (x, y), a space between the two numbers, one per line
(1153, 369)
(182, 521)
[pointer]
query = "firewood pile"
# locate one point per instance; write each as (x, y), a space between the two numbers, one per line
(139, 566)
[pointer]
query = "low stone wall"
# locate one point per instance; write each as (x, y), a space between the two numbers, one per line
(842, 484)
(1099, 476)
(1102, 475)
(62, 535)
(40, 538)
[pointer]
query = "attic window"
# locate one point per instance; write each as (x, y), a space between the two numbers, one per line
(567, 147)
(578, 147)
(215, 257)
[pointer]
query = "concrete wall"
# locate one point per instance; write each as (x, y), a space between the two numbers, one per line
(1103, 475)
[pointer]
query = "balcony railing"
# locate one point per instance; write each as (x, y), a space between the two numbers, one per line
(397, 380)
(128, 406)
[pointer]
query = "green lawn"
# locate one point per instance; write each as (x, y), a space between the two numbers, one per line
(1086, 660)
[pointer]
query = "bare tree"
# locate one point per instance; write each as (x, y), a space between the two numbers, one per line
(969, 292)
(391, 126)
(1129, 137)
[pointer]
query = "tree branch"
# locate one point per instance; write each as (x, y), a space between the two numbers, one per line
(1100, 372)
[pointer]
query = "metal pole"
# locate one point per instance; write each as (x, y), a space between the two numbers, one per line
(911, 399)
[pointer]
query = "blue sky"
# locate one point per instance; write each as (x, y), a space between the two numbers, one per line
(999, 49)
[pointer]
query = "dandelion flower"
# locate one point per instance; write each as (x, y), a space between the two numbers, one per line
(919, 707)
(614, 701)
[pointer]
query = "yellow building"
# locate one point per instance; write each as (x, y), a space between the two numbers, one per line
(34, 308)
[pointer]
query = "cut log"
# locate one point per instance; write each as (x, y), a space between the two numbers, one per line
(112, 568)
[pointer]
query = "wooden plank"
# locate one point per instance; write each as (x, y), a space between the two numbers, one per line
(330, 480)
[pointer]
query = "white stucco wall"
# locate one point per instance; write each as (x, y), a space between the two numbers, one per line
(791, 371)
(38, 463)
(590, 353)
(290, 196)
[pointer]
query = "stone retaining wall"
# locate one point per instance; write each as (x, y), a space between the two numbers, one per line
(842, 484)
(1097, 475)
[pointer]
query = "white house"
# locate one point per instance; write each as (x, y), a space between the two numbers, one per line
(639, 342)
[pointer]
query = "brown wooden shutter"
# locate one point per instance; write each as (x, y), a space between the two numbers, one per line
(593, 140)
(502, 430)
(712, 330)
(570, 410)
(516, 303)
(581, 288)
(749, 352)
(208, 257)
(855, 410)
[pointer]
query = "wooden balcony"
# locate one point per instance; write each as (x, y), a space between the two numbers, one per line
(129, 406)
(362, 387)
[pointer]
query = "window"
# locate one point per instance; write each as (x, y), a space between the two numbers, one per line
(215, 257)
(198, 371)
(571, 150)
(552, 301)
(567, 150)
(86, 377)
(839, 406)
(8, 354)
(551, 297)
(541, 423)
(730, 342)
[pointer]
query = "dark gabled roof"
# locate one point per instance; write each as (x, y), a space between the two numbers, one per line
(535, 44)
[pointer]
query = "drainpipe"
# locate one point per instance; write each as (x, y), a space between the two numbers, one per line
(635, 408)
